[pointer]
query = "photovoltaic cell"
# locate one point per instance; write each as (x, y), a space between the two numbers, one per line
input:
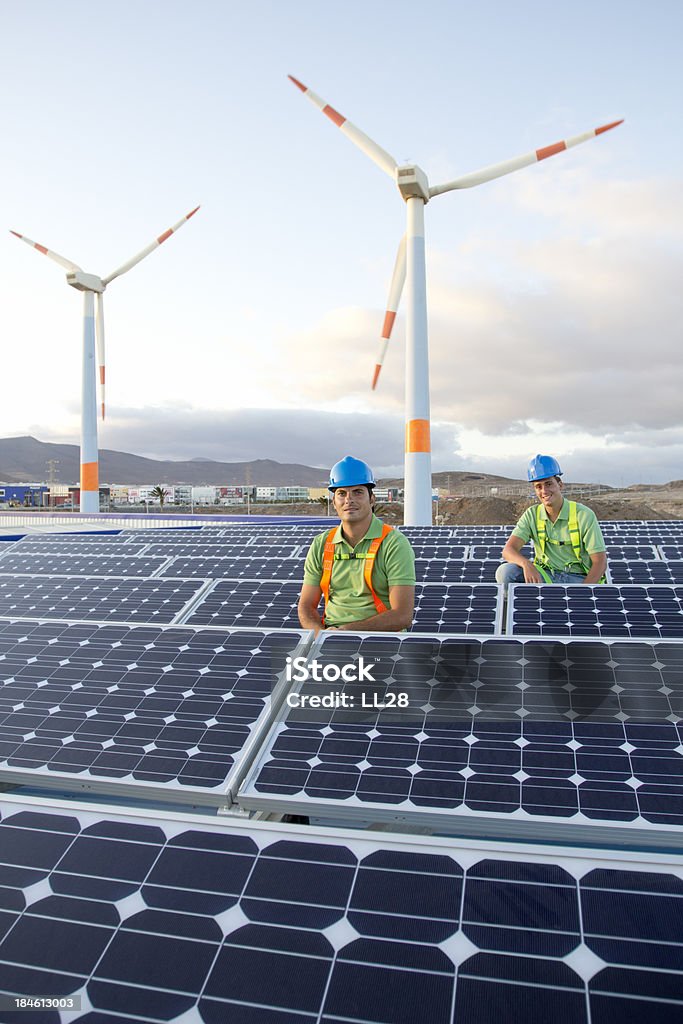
(99, 598)
(603, 610)
(165, 710)
(569, 740)
(158, 920)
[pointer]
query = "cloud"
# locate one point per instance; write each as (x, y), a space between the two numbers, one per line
(581, 327)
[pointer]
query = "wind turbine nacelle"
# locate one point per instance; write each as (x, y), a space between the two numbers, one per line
(412, 182)
(85, 282)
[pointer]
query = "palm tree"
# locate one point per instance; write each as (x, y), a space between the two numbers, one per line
(161, 493)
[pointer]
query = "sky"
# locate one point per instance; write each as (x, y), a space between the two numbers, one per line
(554, 295)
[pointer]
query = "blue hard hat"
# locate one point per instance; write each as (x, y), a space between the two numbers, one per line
(350, 472)
(541, 467)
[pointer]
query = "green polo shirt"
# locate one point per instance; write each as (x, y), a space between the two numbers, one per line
(559, 554)
(350, 598)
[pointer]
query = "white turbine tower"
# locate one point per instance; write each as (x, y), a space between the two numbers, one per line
(410, 269)
(92, 285)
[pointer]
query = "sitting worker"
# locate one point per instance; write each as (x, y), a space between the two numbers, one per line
(364, 570)
(568, 542)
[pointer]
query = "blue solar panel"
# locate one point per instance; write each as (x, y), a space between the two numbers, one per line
(458, 608)
(443, 550)
(257, 568)
(226, 550)
(645, 572)
(610, 611)
(157, 920)
(44, 564)
(491, 551)
(166, 710)
(455, 571)
(497, 737)
(112, 599)
(249, 603)
(77, 540)
(630, 552)
(671, 552)
(48, 546)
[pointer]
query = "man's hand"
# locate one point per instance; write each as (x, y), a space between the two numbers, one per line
(531, 573)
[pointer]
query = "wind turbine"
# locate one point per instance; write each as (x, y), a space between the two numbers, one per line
(409, 269)
(92, 285)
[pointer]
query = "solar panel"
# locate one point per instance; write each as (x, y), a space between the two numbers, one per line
(179, 539)
(608, 610)
(455, 570)
(77, 540)
(430, 549)
(236, 568)
(573, 742)
(226, 550)
(56, 547)
(645, 572)
(110, 599)
(169, 713)
(458, 608)
(253, 603)
(156, 918)
(645, 552)
(493, 551)
(671, 552)
(81, 564)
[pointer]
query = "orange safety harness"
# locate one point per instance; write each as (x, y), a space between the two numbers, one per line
(330, 556)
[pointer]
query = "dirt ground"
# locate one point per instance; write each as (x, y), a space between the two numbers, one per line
(641, 503)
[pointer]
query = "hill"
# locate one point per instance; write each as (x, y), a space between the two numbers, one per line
(24, 459)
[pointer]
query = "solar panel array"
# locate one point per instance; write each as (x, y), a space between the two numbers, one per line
(168, 687)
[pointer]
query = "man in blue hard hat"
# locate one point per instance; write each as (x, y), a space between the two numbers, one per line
(363, 569)
(568, 542)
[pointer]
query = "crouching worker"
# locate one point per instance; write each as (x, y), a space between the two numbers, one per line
(568, 542)
(364, 569)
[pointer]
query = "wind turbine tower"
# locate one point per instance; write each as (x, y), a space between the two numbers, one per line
(409, 269)
(93, 335)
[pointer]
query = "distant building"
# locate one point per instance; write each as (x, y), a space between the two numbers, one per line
(24, 495)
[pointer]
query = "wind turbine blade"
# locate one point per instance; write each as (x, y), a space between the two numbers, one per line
(124, 268)
(397, 281)
(99, 337)
(62, 260)
(363, 141)
(508, 166)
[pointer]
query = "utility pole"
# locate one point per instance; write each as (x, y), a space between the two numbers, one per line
(52, 475)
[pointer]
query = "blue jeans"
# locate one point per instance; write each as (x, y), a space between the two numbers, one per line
(508, 572)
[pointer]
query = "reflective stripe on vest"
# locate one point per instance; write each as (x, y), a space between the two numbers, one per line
(329, 558)
(574, 535)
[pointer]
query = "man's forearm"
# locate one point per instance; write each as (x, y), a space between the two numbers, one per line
(310, 619)
(393, 620)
